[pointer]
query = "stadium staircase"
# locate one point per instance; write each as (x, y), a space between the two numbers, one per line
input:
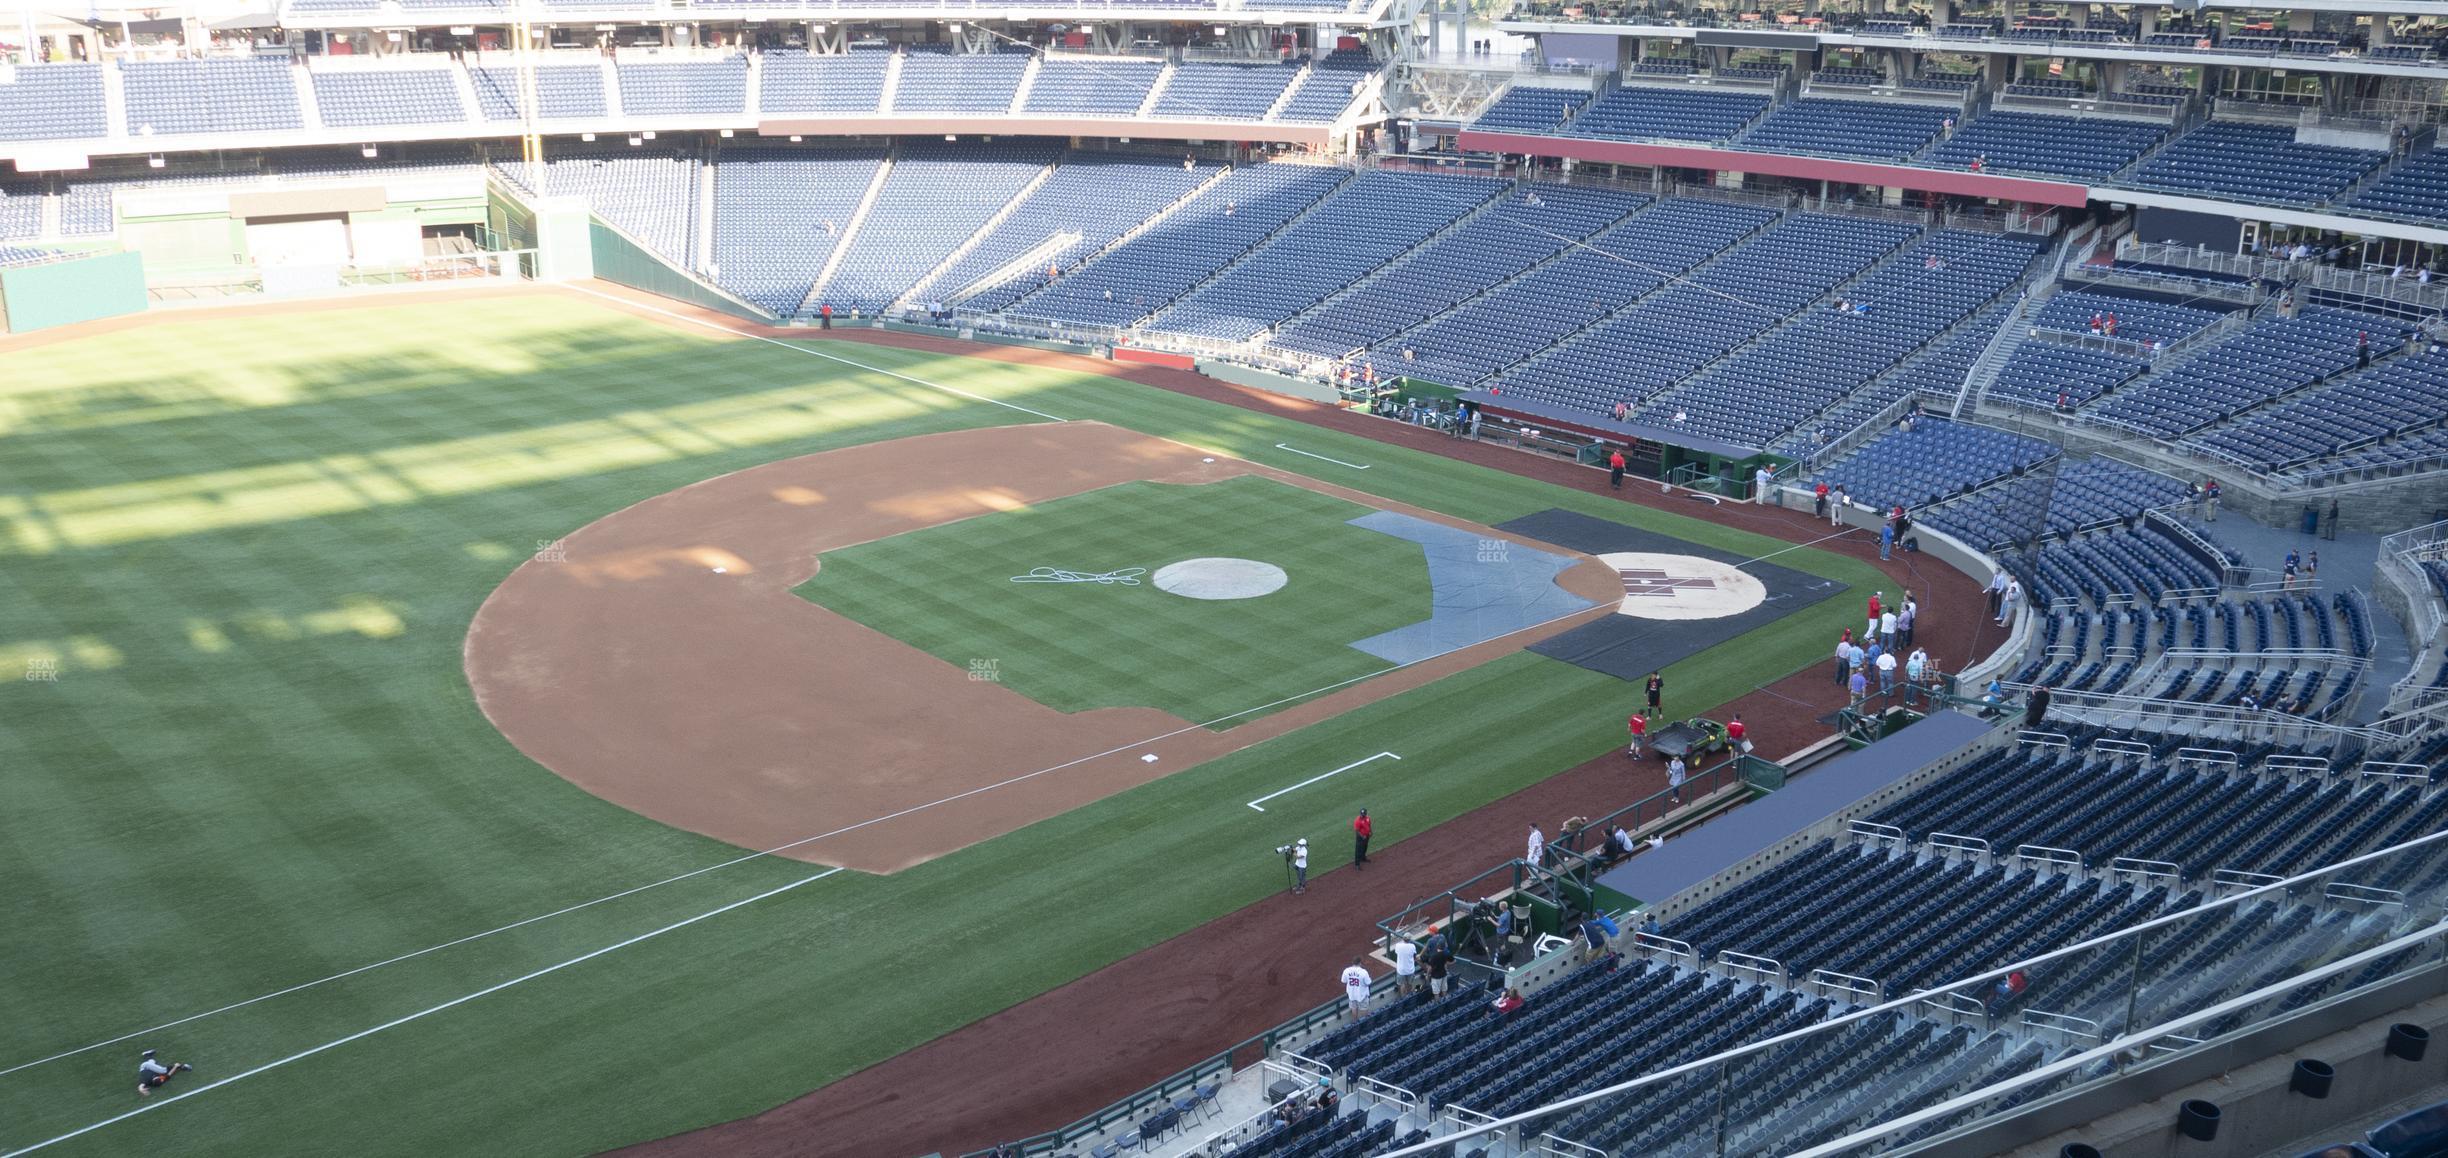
(1035, 258)
(114, 109)
(1403, 337)
(310, 111)
(611, 88)
(1020, 92)
(849, 234)
(1156, 91)
(1243, 257)
(1376, 277)
(1283, 100)
(892, 82)
(463, 79)
(1587, 332)
(753, 83)
(2000, 349)
(917, 291)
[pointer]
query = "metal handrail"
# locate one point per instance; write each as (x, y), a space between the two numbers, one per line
(1701, 1065)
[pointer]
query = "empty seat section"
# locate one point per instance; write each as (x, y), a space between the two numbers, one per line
(935, 198)
(219, 95)
(1368, 222)
(1866, 130)
(389, 96)
(1230, 92)
(1104, 86)
(1148, 272)
(2395, 397)
(1636, 112)
(2260, 363)
(778, 212)
(52, 102)
(1934, 461)
(1331, 86)
(1523, 109)
(684, 88)
(1778, 384)
(1088, 202)
(1529, 226)
(2416, 190)
(1529, 314)
(832, 82)
(563, 92)
(2041, 144)
(934, 82)
(1633, 355)
(2252, 162)
(650, 194)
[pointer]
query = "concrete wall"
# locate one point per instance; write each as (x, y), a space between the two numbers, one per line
(2257, 1112)
(2377, 505)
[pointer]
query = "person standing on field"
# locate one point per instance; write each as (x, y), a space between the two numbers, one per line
(1639, 727)
(1360, 838)
(1657, 691)
(1300, 865)
(1615, 470)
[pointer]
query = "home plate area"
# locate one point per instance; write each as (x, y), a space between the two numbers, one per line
(1659, 586)
(1679, 598)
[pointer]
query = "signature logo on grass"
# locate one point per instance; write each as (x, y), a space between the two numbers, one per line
(550, 551)
(985, 671)
(41, 670)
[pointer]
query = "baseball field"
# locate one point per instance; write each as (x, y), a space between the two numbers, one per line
(523, 724)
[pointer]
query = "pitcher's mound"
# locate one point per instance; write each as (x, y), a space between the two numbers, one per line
(1214, 578)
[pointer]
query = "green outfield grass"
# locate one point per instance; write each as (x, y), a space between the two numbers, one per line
(1076, 647)
(244, 554)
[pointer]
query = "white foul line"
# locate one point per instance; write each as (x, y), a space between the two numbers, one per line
(429, 1011)
(954, 390)
(1322, 458)
(1315, 779)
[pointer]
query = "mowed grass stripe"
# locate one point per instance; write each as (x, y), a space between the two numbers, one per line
(1075, 646)
(733, 1016)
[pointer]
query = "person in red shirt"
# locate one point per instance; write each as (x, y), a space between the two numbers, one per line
(1615, 470)
(1819, 501)
(1872, 631)
(1734, 735)
(1639, 727)
(826, 314)
(1360, 834)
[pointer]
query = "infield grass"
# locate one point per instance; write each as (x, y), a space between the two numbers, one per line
(1074, 647)
(240, 557)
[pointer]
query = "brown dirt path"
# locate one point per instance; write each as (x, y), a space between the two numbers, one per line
(725, 704)
(1079, 1047)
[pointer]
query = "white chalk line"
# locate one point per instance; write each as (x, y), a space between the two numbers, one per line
(763, 853)
(1322, 458)
(428, 1011)
(1337, 685)
(1322, 776)
(694, 321)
